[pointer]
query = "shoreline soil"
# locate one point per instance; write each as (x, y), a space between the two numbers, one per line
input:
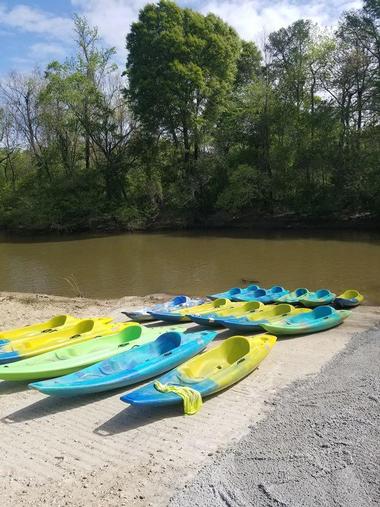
(96, 450)
(249, 223)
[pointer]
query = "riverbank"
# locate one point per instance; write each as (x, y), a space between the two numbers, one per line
(97, 451)
(249, 222)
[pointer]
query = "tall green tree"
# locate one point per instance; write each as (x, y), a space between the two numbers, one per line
(181, 67)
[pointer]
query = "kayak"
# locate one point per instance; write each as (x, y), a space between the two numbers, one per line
(181, 315)
(166, 352)
(320, 297)
(208, 373)
(293, 297)
(262, 295)
(143, 315)
(318, 319)
(59, 321)
(74, 357)
(233, 292)
(349, 299)
(256, 321)
(84, 330)
(213, 319)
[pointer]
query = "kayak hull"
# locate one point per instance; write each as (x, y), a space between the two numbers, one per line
(70, 359)
(59, 321)
(319, 298)
(208, 373)
(252, 323)
(179, 302)
(136, 365)
(229, 294)
(183, 314)
(319, 319)
(84, 330)
(349, 299)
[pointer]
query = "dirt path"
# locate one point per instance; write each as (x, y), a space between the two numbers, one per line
(97, 450)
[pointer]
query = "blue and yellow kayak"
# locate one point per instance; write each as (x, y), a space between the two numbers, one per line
(166, 352)
(349, 299)
(208, 373)
(256, 321)
(182, 314)
(55, 323)
(33, 345)
(262, 295)
(212, 319)
(318, 319)
(230, 293)
(293, 297)
(317, 298)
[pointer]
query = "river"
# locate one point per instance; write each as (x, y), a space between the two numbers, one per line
(195, 263)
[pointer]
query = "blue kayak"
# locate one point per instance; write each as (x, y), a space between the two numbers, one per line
(230, 293)
(138, 364)
(144, 315)
(292, 297)
(318, 319)
(262, 295)
(317, 298)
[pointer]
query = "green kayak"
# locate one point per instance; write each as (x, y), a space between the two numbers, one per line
(75, 357)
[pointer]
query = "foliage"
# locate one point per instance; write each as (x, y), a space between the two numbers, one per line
(201, 122)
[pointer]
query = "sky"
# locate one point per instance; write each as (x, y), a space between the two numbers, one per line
(35, 32)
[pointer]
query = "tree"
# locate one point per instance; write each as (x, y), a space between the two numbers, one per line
(181, 67)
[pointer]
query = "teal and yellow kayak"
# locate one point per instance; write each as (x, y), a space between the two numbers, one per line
(349, 299)
(255, 321)
(75, 357)
(293, 297)
(205, 374)
(318, 319)
(138, 364)
(318, 298)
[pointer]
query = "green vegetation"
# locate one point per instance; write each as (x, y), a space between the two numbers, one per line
(201, 126)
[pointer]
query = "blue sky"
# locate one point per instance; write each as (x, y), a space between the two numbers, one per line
(34, 32)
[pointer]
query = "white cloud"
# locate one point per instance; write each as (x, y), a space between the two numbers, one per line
(252, 18)
(46, 49)
(112, 17)
(29, 19)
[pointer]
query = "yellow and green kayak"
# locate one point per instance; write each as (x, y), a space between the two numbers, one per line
(84, 330)
(55, 323)
(205, 374)
(75, 357)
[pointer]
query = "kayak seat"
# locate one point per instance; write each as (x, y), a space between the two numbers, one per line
(166, 343)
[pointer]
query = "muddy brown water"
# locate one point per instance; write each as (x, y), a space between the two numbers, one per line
(190, 263)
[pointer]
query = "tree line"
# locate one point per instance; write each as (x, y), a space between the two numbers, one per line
(200, 125)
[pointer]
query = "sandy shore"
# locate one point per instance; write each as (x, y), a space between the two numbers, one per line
(98, 451)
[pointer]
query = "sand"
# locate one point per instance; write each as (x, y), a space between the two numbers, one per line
(99, 451)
